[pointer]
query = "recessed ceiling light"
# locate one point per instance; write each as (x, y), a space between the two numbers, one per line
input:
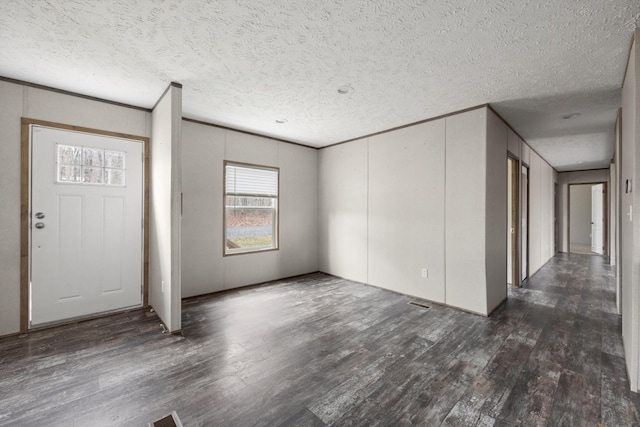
(281, 121)
(343, 90)
(571, 116)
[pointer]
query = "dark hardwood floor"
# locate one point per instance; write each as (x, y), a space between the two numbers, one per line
(319, 351)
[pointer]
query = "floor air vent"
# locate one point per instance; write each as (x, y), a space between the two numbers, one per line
(418, 304)
(170, 420)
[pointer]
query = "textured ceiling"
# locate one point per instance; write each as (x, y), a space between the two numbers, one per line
(247, 63)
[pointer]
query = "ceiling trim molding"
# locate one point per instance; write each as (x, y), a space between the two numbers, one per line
(585, 170)
(246, 132)
(70, 93)
(407, 125)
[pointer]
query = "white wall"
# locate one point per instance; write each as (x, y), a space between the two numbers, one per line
(613, 213)
(511, 165)
(578, 177)
(11, 109)
(580, 214)
(617, 190)
(466, 169)
(547, 236)
(165, 205)
(204, 269)
(406, 210)
(630, 213)
(496, 210)
(542, 179)
(343, 189)
(18, 101)
(535, 221)
(420, 197)
(514, 144)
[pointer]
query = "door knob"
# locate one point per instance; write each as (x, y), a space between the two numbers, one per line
(39, 215)
(39, 224)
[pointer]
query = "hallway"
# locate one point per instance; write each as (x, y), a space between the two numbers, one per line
(319, 350)
(570, 302)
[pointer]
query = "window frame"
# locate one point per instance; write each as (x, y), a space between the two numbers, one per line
(276, 226)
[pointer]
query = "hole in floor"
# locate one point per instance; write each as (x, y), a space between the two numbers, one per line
(419, 304)
(170, 420)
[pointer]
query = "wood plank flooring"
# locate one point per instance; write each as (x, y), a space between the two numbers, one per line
(318, 351)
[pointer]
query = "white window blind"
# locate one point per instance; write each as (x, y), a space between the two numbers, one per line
(251, 208)
(251, 181)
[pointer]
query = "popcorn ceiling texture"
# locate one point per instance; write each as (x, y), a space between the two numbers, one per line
(246, 63)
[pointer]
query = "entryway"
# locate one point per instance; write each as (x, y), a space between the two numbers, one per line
(85, 224)
(517, 222)
(587, 218)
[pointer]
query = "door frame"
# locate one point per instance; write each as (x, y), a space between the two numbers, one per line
(556, 218)
(526, 271)
(516, 278)
(25, 203)
(605, 215)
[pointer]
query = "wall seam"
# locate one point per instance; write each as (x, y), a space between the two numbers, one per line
(635, 305)
(318, 249)
(444, 208)
(224, 197)
(368, 203)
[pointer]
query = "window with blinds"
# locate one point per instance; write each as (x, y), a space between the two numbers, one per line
(250, 208)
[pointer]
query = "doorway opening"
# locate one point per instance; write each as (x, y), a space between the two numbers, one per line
(513, 250)
(587, 218)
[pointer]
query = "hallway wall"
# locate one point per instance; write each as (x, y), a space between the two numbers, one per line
(430, 196)
(630, 213)
(542, 178)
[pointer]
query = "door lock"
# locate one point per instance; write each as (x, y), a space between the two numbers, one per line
(39, 215)
(39, 224)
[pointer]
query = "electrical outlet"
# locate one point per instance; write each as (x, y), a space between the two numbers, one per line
(425, 273)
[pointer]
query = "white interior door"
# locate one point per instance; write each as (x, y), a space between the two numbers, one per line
(597, 227)
(86, 250)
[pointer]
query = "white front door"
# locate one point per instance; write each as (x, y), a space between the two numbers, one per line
(597, 219)
(86, 250)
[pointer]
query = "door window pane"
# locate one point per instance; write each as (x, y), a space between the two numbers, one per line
(69, 155)
(114, 177)
(69, 173)
(92, 157)
(81, 165)
(92, 175)
(114, 159)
